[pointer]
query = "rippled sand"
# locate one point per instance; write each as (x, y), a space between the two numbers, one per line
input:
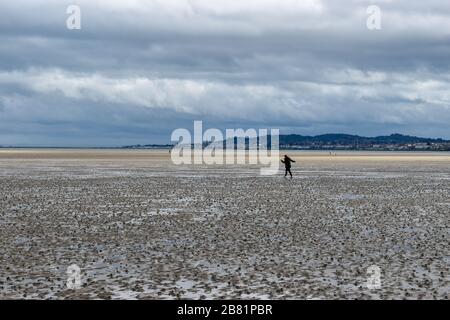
(140, 227)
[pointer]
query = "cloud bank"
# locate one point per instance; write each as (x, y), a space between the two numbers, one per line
(139, 69)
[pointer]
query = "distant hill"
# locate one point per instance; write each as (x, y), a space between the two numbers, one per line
(347, 139)
(148, 146)
(343, 142)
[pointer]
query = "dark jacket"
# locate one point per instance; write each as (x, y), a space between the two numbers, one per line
(287, 162)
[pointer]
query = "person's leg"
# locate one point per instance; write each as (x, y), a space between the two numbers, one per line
(286, 172)
(290, 172)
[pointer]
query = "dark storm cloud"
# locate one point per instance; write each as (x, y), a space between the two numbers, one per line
(138, 69)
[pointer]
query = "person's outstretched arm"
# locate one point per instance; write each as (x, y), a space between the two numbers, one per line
(282, 161)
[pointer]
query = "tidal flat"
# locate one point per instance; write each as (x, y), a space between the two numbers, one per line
(140, 227)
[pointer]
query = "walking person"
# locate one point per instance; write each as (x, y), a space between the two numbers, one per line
(287, 165)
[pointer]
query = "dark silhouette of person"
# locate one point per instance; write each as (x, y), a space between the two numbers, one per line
(287, 165)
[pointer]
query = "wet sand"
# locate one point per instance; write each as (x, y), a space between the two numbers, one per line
(140, 227)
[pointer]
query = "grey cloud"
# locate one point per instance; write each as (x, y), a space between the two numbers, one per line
(138, 69)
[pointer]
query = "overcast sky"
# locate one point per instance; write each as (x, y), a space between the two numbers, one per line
(138, 69)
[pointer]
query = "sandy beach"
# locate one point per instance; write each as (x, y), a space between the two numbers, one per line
(140, 227)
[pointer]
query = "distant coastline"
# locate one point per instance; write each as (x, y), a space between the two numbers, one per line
(339, 142)
(325, 142)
